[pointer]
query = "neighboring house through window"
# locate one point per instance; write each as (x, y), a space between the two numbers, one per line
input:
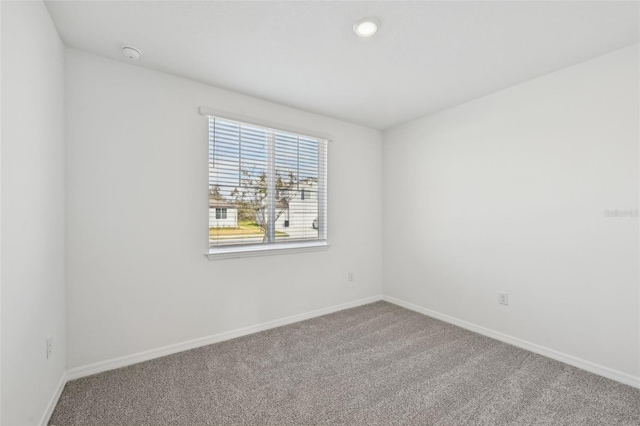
(223, 216)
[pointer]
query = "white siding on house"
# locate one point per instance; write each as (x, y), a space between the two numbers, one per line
(301, 213)
(231, 220)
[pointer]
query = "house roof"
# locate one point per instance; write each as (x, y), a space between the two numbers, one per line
(221, 204)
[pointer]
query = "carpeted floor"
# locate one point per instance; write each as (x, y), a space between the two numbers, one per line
(377, 364)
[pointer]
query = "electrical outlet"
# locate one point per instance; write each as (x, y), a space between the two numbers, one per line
(49, 347)
(503, 298)
(350, 276)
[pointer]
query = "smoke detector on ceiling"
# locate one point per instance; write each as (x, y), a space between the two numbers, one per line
(131, 52)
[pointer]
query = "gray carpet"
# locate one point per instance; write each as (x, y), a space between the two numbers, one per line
(377, 364)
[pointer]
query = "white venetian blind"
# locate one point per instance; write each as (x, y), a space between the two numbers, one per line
(266, 186)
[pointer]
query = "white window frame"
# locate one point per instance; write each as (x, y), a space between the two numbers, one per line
(251, 250)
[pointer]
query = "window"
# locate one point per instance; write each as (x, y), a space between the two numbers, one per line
(307, 194)
(221, 213)
(272, 182)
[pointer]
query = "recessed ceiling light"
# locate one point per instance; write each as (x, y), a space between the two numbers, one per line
(131, 52)
(366, 27)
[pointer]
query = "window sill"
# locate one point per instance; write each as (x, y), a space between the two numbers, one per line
(266, 250)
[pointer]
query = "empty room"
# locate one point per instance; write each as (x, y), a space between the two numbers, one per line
(319, 213)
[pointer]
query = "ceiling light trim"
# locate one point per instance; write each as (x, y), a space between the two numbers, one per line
(366, 27)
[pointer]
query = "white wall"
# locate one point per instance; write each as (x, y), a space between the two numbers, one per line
(507, 193)
(33, 300)
(137, 277)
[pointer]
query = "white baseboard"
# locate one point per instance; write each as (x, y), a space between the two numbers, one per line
(53, 401)
(112, 364)
(592, 367)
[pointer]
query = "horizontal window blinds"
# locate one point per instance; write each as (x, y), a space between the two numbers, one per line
(272, 183)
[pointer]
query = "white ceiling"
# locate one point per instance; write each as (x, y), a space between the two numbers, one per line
(427, 56)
